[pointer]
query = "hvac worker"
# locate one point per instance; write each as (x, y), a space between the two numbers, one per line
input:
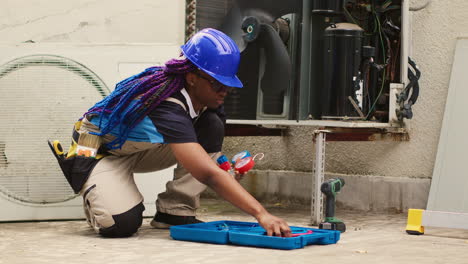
(163, 116)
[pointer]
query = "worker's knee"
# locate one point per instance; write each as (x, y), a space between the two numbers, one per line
(210, 131)
(126, 224)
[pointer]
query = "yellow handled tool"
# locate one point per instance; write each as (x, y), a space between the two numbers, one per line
(56, 148)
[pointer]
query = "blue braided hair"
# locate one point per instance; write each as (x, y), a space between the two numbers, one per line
(148, 88)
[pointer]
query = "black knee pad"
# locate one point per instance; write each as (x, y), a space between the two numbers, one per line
(126, 224)
(210, 131)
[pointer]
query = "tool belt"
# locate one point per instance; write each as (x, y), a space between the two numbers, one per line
(75, 168)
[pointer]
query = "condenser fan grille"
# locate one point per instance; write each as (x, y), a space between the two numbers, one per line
(41, 97)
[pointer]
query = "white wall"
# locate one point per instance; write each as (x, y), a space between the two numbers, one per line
(121, 21)
(98, 34)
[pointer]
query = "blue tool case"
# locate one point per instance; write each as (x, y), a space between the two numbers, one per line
(252, 234)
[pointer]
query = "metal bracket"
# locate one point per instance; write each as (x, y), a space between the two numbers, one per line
(316, 207)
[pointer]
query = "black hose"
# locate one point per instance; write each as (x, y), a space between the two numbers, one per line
(406, 104)
(413, 85)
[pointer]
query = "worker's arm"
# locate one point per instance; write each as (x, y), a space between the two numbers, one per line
(195, 159)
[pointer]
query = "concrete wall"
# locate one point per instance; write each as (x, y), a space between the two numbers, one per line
(434, 32)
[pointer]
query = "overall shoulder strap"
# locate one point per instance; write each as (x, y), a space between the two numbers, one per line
(177, 101)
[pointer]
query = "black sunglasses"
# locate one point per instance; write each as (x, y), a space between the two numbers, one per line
(215, 84)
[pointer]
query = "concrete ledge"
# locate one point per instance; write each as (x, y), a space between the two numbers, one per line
(365, 193)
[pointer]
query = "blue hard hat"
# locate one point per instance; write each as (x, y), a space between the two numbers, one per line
(216, 54)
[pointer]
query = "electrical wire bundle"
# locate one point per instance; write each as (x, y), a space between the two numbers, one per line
(380, 21)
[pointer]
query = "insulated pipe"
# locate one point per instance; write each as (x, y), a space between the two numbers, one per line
(190, 18)
(405, 41)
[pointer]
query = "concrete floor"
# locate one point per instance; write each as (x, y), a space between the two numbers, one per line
(370, 238)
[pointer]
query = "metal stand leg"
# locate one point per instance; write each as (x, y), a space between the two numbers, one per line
(318, 177)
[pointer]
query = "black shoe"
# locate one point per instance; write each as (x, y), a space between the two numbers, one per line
(164, 221)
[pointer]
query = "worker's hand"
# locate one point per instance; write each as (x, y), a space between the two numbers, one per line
(238, 176)
(273, 225)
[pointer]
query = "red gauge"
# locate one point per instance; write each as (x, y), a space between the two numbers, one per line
(244, 165)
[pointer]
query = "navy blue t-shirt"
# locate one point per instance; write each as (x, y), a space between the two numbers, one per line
(173, 122)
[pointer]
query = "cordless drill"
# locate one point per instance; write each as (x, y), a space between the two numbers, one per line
(330, 189)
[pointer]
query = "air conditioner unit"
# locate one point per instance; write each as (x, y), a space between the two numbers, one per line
(44, 89)
(316, 62)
